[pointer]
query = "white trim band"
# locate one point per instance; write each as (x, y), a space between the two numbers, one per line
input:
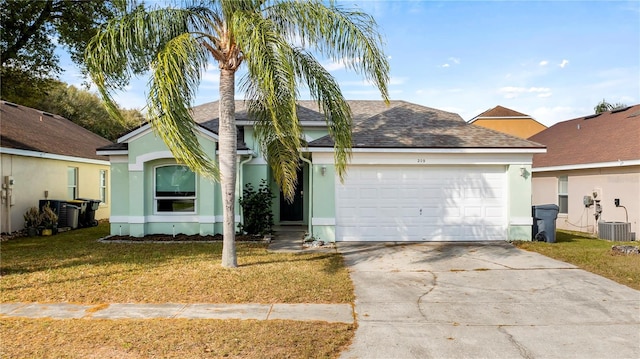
(168, 219)
(51, 156)
(585, 166)
(431, 150)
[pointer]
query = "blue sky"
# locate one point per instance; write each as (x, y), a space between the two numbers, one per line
(552, 60)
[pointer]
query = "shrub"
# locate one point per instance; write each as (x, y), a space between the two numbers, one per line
(49, 217)
(32, 218)
(256, 207)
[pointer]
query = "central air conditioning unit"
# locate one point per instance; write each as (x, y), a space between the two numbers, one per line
(615, 231)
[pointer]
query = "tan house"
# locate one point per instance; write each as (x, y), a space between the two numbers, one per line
(45, 156)
(508, 121)
(592, 170)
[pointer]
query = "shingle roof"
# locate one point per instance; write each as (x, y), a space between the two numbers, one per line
(25, 128)
(307, 111)
(409, 125)
(608, 137)
(499, 112)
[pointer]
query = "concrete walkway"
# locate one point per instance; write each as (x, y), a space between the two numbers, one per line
(337, 313)
(287, 239)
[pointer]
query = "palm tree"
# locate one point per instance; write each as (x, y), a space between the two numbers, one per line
(276, 40)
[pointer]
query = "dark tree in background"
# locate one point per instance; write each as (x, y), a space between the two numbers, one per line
(604, 106)
(31, 30)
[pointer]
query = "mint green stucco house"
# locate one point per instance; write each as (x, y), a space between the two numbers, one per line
(416, 174)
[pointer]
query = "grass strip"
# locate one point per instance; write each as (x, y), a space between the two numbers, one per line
(171, 338)
(591, 254)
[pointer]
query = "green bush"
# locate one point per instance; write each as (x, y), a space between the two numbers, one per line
(256, 207)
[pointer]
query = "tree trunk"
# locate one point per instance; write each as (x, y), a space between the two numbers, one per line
(227, 158)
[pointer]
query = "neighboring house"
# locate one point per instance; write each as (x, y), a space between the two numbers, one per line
(45, 156)
(416, 174)
(593, 154)
(508, 121)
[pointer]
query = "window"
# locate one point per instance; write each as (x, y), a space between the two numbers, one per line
(72, 182)
(563, 194)
(175, 189)
(103, 186)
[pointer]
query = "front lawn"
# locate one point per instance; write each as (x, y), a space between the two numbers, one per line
(74, 267)
(593, 255)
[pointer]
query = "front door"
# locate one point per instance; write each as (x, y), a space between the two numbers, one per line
(292, 212)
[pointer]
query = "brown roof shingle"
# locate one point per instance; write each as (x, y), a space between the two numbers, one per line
(608, 137)
(499, 112)
(25, 128)
(409, 125)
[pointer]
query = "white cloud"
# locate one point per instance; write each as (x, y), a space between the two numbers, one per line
(397, 80)
(212, 74)
(564, 63)
(551, 115)
(544, 63)
(513, 92)
(452, 60)
(340, 64)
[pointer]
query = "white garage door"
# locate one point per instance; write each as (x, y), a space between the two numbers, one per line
(400, 203)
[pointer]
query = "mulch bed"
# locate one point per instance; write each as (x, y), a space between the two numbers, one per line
(182, 238)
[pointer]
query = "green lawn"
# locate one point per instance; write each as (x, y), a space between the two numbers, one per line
(74, 267)
(593, 255)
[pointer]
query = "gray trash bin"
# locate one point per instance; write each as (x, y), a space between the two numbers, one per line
(73, 212)
(544, 222)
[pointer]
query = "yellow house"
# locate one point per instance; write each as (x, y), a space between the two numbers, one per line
(508, 121)
(45, 156)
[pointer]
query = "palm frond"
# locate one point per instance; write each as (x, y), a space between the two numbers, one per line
(270, 88)
(176, 75)
(162, 40)
(345, 35)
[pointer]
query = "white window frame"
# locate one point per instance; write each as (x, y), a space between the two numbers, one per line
(102, 189)
(72, 187)
(156, 198)
(563, 193)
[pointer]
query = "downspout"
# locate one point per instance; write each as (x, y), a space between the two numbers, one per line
(240, 182)
(309, 231)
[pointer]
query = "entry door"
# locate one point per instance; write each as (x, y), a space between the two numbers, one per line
(293, 212)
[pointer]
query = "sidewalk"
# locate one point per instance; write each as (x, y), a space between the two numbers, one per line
(337, 313)
(287, 239)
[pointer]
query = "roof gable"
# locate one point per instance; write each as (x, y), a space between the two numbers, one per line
(608, 137)
(25, 128)
(500, 112)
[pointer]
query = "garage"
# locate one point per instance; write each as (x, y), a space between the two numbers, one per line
(422, 203)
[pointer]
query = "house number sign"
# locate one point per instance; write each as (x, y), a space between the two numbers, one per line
(422, 160)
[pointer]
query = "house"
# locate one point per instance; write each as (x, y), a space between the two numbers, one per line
(416, 174)
(45, 156)
(508, 121)
(591, 162)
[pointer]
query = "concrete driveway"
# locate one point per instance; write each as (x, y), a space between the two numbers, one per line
(486, 300)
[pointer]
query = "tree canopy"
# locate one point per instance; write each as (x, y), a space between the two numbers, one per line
(604, 106)
(31, 29)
